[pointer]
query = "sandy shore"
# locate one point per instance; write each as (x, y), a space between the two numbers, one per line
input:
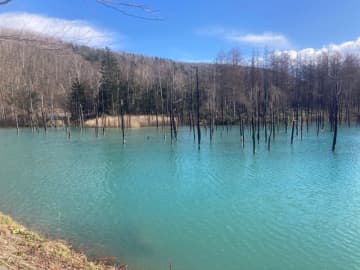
(24, 249)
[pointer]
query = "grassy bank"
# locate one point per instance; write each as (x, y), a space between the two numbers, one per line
(24, 249)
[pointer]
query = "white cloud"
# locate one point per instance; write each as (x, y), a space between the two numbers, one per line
(345, 48)
(74, 31)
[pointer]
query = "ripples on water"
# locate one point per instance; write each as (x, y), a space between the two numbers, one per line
(151, 203)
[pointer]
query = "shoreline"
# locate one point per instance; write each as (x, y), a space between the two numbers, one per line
(133, 121)
(21, 248)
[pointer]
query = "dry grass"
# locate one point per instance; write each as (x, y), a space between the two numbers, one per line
(130, 121)
(23, 249)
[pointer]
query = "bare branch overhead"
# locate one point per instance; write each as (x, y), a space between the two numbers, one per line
(129, 9)
(5, 2)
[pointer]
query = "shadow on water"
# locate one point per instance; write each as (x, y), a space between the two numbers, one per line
(135, 245)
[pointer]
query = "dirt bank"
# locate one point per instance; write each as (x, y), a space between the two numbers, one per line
(23, 249)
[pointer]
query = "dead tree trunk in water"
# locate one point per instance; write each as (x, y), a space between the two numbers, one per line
(335, 127)
(336, 109)
(192, 112)
(240, 127)
(103, 124)
(43, 115)
(307, 122)
(171, 117)
(273, 126)
(253, 133)
(211, 126)
(162, 102)
(17, 124)
(243, 133)
(301, 125)
(97, 125)
(297, 120)
(122, 120)
(269, 139)
(292, 131)
(318, 124)
(174, 125)
(258, 118)
(212, 106)
(81, 118)
(68, 131)
(31, 111)
(172, 114)
(198, 107)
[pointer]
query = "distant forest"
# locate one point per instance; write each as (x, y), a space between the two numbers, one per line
(41, 82)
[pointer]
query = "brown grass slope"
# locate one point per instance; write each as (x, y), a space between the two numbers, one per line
(23, 249)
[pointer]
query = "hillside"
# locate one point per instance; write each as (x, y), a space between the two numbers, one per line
(43, 79)
(37, 75)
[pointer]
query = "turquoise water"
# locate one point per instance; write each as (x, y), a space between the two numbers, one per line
(151, 204)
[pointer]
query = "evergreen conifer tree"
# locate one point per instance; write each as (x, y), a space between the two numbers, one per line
(77, 102)
(108, 84)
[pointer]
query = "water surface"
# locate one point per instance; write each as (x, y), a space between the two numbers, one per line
(151, 203)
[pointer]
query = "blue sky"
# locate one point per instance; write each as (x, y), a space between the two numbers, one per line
(199, 30)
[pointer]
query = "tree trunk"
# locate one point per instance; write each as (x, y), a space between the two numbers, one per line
(292, 131)
(198, 107)
(253, 134)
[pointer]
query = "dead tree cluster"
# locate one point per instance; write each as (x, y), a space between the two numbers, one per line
(45, 88)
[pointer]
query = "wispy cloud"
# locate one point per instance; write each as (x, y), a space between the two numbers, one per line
(74, 31)
(215, 31)
(266, 39)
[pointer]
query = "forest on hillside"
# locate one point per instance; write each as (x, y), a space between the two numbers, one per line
(40, 84)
